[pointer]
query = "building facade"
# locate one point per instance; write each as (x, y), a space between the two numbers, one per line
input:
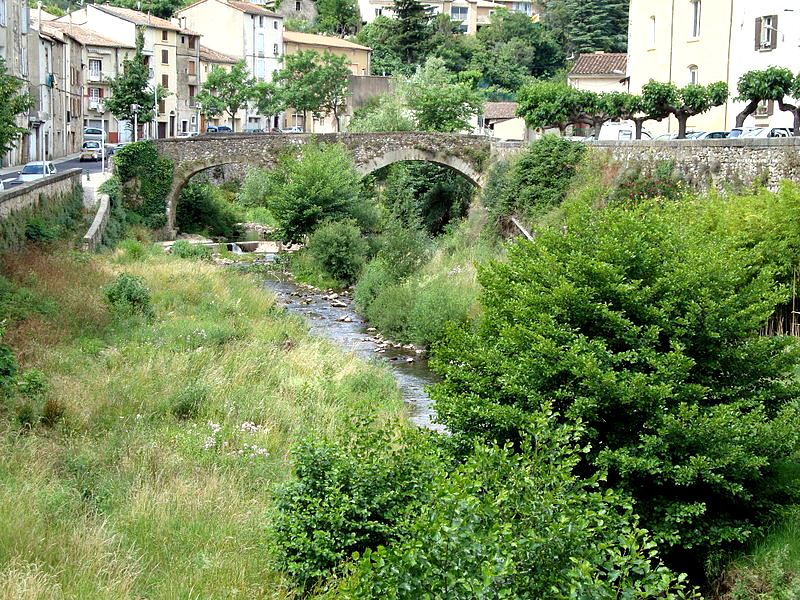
(704, 41)
(600, 72)
(14, 32)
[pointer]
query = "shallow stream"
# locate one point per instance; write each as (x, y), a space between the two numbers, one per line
(333, 316)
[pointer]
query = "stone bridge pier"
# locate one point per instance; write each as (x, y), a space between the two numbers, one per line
(466, 154)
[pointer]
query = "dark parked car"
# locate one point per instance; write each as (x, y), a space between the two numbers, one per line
(218, 129)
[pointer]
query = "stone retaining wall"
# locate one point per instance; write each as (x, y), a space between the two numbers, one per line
(27, 195)
(93, 237)
(717, 164)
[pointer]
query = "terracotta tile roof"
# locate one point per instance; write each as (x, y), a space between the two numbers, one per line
(600, 63)
(85, 36)
(499, 110)
(136, 17)
(253, 9)
(212, 56)
(320, 40)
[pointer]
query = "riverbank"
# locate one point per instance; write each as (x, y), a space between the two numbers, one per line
(139, 455)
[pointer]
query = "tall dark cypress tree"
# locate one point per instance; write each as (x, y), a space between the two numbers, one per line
(412, 29)
(589, 25)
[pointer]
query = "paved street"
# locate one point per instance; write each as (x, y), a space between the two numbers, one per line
(9, 174)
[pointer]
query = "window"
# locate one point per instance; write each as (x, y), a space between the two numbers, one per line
(192, 69)
(192, 42)
(192, 93)
(94, 94)
(165, 57)
(297, 6)
(260, 21)
(275, 49)
(161, 107)
(2, 13)
(260, 44)
(696, 10)
(526, 8)
(24, 18)
(183, 39)
(261, 69)
(165, 80)
(164, 35)
(95, 69)
(23, 61)
(275, 24)
(652, 30)
(767, 32)
(694, 76)
(378, 12)
(458, 13)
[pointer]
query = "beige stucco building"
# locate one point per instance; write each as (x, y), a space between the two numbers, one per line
(599, 72)
(14, 32)
(703, 41)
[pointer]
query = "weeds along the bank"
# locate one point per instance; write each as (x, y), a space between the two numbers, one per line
(138, 451)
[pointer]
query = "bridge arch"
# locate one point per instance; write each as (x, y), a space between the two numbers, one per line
(463, 154)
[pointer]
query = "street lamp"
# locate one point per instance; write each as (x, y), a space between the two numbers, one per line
(199, 108)
(135, 108)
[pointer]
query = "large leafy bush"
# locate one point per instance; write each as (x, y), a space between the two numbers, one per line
(202, 208)
(643, 325)
(146, 179)
(339, 249)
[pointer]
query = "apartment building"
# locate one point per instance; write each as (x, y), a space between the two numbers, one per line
(14, 31)
(703, 41)
(241, 29)
(209, 60)
(162, 41)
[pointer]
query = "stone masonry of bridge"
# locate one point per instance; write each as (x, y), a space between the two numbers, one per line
(704, 164)
(466, 154)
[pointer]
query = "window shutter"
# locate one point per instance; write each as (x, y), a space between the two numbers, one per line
(100, 94)
(775, 30)
(758, 33)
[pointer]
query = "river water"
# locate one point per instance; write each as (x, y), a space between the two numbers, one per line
(332, 316)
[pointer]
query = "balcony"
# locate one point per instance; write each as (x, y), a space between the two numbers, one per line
(96, 105)
(95, 76)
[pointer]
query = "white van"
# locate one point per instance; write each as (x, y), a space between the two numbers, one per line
(621, 131)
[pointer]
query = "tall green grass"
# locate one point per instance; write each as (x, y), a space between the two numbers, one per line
(132, 494)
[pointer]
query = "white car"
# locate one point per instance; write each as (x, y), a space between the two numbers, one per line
(294, 129)
(185, 134)
(713, 135)
(2, 187)
(36, 170)
(767, 132)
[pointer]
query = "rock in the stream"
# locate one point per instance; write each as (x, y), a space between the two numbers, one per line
(371, 329)
(345, 319)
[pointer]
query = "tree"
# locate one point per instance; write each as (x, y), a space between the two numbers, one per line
(588, 25)
(658, 99)
(321, 183)
(339, 17)
(641, 324)
(13, 102)
(792, 91)
(227, 91)
(269, 98)
(629, 107)
(662, 99)
(438, 101)
(755, 87)
(387, 58)
(315, 82)
(412, 29)
(547, 104)
(131, 97)
(387, 112)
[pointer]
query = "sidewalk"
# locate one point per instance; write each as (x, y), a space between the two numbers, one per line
(90, 184)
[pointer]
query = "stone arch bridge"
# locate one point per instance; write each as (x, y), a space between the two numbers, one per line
(469, 155)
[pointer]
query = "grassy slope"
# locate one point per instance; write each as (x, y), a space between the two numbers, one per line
(122, 499)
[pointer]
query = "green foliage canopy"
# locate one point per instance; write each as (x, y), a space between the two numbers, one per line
(642, 325)
(226, 91)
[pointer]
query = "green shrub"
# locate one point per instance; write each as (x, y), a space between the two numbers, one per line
(184, 249)
(637, 183)
(33, 384)
(517, 525)
(349, 495)
(188, 403)
(377, 275)
(146, 182)
(133, 250)
(129, 294)
(203, 209)
(391, 311)
(439, 301)
(339, 249)
(38, 230)
(321, 184)
(642, 325)
(538, 179)
(8, 366)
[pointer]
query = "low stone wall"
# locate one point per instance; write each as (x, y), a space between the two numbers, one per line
(93, 237)
(27, 195)
(717, 164)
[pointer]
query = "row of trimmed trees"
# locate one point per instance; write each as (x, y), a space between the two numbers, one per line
(550, 105)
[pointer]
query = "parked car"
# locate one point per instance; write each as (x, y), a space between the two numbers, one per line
(36, 170)
(188, 134)
(218, 129)
(713, 135)
(253, 130)
(768, 132)
(665, 137)
(620, 131)
(94, 133)
(694, 135)
(294, 129)
(2, 187)
(94, 151)
(740, 131)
